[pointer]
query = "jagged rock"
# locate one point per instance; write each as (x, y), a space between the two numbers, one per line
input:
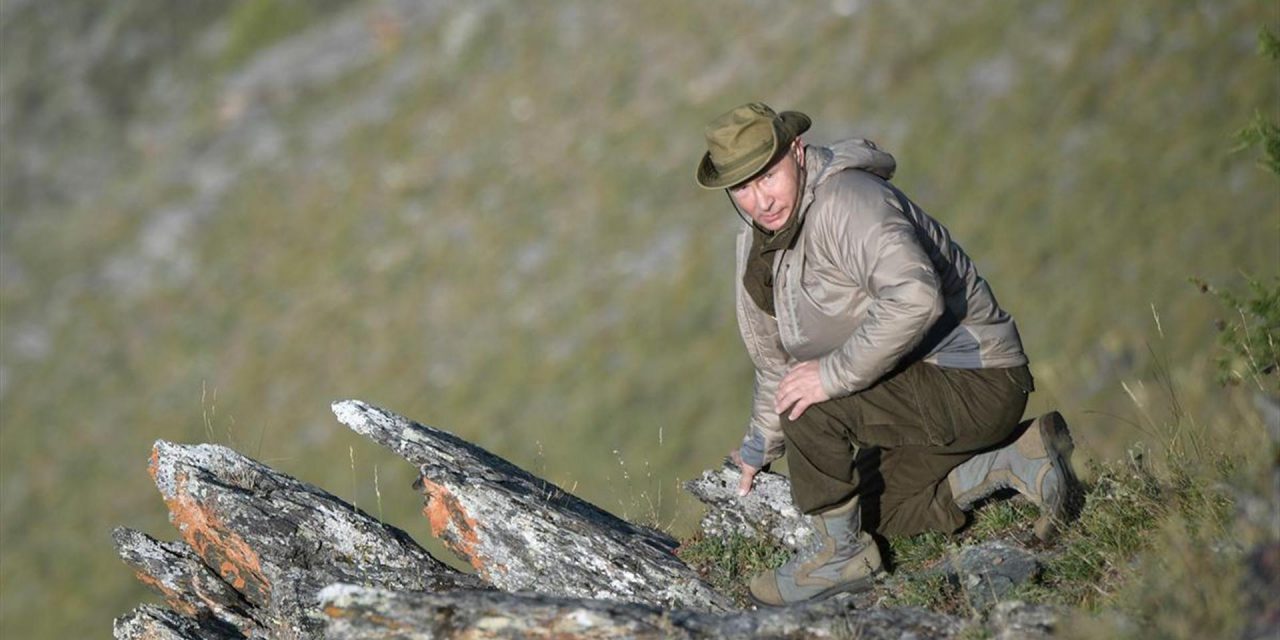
(358, 613)
(277, 541)
(523, 533)
(989, 571)
(1017, 620)
(157, 623)
(766, 511)
(188, 586)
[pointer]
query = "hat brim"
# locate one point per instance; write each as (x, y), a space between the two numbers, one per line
(786, 128)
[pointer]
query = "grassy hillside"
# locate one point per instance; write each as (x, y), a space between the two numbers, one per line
(483, 216)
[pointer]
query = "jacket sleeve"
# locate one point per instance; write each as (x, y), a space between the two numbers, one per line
(877, 246)
(763, 442)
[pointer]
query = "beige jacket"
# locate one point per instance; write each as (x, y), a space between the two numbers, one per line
(871, 282)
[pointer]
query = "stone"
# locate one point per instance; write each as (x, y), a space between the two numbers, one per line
(359, 613)
(767, 511)
(1017, 620)
(989, 571)
(157, 623)
(188, 586)
(277, 541)
(523, 533)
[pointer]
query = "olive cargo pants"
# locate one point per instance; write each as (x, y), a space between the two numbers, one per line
(894, 443)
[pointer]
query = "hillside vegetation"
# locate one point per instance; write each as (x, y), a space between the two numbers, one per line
(218, 219)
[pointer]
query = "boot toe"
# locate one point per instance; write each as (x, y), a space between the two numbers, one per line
(1057, 485)
(763, 590)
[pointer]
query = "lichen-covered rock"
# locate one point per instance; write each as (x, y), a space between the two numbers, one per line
(360, 613)
(188, 586)
(157, 623)
(277, 540)
(989, 571)
(523, 533)
(1017, 620)
(766, 511)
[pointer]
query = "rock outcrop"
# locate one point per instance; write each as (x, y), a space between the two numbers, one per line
(257, 546)
(522, 533)
(767, 510)
(360, 612)
(264, 555)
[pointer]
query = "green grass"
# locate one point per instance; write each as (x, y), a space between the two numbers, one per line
(1152, 554)
(727, 564)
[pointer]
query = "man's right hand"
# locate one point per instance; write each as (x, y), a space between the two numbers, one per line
(748, 473)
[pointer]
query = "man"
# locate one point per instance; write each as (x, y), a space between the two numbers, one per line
(884, 365)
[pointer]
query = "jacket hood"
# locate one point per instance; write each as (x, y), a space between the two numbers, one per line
(854, 153)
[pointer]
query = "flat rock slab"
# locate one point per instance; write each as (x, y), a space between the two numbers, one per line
(277, 541)
(767, 511)
(523, 533)
(359, 613)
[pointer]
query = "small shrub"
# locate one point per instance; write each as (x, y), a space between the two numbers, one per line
(1250, 338)
(1263, 132)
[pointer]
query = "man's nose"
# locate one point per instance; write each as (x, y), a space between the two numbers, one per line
(765, 199)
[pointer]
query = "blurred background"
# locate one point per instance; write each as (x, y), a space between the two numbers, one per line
(218, 217)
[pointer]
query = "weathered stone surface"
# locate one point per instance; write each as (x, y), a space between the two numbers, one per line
(1017, 620)
(989, 571)
(157, 623)
(277, 541)
(189, 587)
(358, 613)
(523, 533)
(766, 511)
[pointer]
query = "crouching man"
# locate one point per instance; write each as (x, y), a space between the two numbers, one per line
(884, 365)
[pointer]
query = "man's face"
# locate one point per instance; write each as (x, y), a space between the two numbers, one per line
(770, 198)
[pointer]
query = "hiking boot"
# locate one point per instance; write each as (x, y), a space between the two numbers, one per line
(1037, 465)
(842, 558)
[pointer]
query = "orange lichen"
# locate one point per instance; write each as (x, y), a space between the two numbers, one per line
(237, 563)
(336, 612)
(172, 598)
(451, 524)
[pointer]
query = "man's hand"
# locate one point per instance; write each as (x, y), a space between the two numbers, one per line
(748, 473)
(801, 387)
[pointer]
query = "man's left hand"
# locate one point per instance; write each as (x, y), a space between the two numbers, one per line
(801, 387)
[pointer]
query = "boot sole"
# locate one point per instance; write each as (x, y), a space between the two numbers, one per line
(1057, 439)
(857, 586)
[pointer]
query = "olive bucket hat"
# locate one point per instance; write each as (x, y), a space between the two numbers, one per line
(745, 140)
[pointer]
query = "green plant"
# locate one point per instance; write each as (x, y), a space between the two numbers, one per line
(935, 592)
(1250, 339)
(728, 563)
(916, 552)
(1263, 131)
